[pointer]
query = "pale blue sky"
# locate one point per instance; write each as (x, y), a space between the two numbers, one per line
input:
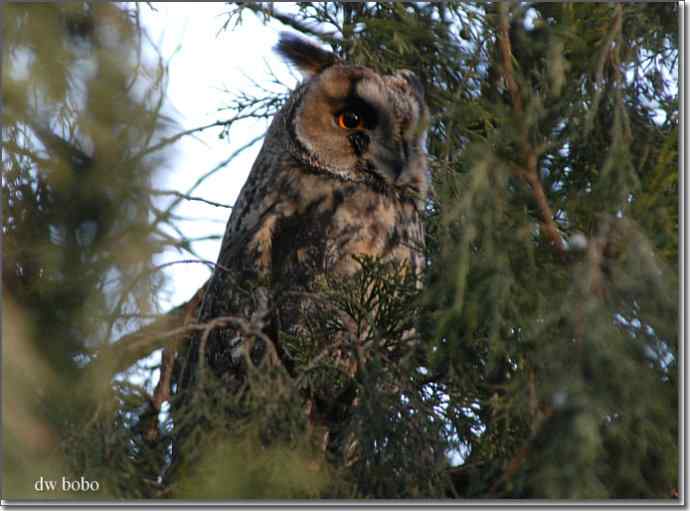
(207, 64)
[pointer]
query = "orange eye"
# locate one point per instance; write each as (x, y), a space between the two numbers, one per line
(350, 120)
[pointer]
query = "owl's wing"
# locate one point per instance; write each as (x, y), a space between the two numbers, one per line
(245, 255)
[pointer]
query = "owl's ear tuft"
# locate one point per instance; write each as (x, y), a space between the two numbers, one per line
(306, 56)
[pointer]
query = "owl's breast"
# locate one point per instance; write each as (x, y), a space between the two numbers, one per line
(329, 222)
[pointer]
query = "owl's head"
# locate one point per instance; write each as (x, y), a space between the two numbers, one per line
(355, 123)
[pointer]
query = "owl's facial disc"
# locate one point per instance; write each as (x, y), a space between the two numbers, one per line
(356, 123)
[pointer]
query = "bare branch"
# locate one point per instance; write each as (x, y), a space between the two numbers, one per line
(169, 140)
(208, 174)
(190, 198)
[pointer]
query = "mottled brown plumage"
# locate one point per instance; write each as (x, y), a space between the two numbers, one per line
(342, 173)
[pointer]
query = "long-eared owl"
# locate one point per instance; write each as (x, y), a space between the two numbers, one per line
(342, 173)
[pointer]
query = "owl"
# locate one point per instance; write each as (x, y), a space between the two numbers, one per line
(342, 174)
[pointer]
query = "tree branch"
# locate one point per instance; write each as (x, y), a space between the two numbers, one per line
(160, 395)
(531, 176)
(208, 174)
(530, 154)
(285, 19)
(507, 58)
(190, 198)
(132, 347)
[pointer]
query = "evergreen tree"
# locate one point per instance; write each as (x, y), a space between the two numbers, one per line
(82, 134)
(548, 325)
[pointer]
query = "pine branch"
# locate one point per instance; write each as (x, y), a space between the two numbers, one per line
(530, 154)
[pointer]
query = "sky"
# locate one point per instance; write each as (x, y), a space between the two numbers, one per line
(206, 66)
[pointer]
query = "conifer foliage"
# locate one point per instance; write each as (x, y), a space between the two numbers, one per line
(540, 360)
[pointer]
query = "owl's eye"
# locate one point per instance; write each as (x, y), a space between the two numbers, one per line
(350, 120)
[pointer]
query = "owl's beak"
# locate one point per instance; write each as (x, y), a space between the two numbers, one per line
(391, 161)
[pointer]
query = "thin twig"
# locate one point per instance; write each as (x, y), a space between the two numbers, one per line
(174, 138)
(215, 169)
(189, 198)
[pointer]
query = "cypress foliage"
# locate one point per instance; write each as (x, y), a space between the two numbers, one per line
(545, 361)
